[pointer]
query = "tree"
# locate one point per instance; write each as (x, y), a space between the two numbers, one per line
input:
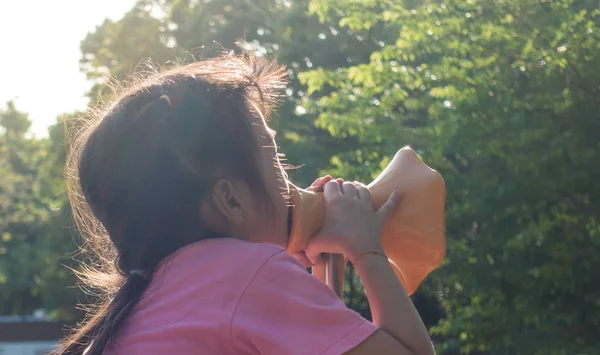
(180, 31)
(31, 272)
(502, 98)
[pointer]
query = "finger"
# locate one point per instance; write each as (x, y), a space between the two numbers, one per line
(332, 189)
(340, 181)
(301, 257)
(389, 206)
(348, 189)
(320, 181)
(323, 180)
(314, 256)
(363, 191)
(314, 188)
(317, 186)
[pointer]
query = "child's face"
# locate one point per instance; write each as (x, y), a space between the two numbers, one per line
(250, 220)
(270, 228)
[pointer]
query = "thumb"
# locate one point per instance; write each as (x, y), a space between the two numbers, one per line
(313, 255)
(389, 206)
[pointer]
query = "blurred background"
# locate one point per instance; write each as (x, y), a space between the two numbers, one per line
(501, 96)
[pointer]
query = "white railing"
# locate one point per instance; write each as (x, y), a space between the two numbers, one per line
(27, 348)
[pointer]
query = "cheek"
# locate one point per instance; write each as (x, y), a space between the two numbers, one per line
(278, 219)
(268, 224)
(275, 177)
(278, 194)
(273, 222)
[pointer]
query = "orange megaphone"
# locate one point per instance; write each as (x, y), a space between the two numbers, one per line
(413, 238)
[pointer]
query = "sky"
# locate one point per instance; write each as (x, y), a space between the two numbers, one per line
(39, 54)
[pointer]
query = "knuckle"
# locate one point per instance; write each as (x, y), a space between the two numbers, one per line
(336, 200)
(330, 183)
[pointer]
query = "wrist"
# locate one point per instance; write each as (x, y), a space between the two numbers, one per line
(353, 254)
(367, 254)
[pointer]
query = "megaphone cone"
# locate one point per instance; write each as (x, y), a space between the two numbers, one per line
(412, 238)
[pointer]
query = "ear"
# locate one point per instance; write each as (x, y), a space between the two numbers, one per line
(227, 203)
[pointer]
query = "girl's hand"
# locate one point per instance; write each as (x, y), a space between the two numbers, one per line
(317, 185)
(351, 227)
(319, 263)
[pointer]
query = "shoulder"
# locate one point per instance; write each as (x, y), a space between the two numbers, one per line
(285, 310)
(217, 256)
(215, 270)
(280, 282)
(283, 271)
(200, 285)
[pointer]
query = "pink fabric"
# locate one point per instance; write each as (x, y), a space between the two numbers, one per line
(226, 296)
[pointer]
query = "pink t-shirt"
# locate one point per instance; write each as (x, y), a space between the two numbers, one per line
(227, 296)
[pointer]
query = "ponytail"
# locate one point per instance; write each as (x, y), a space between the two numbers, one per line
(92, 338)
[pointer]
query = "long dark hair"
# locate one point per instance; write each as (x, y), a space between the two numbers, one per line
(138, 171)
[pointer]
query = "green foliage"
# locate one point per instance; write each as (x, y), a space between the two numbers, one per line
(179, 32)
(32, 274)
(280, 29)
(502, 98)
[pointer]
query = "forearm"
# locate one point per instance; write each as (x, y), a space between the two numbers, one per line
(392, 309)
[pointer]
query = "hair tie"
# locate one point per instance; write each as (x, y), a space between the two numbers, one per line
(137, 272)
(166, 98)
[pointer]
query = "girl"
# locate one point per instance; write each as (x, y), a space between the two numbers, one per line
(179, 188)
